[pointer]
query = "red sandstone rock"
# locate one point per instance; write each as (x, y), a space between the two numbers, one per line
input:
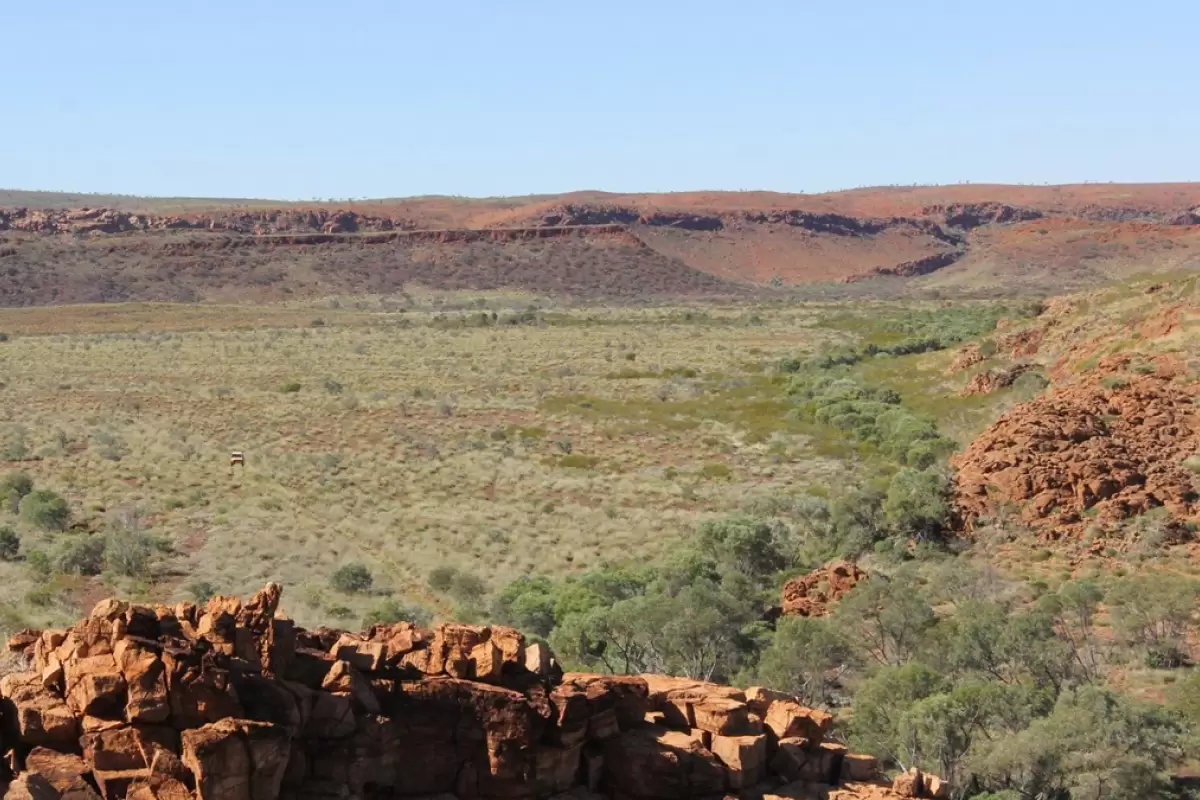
(1117, 450)
(815, 594)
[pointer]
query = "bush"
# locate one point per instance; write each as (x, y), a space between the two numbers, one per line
(46, 510)
(81, 555)
(352, 579)
(468, 587)
(10, 544)
(128, 554)
(201, 591)
(442, 578)
(291, 387)
(390, 611)
(13, 487)
(917, 503)
(39, 563)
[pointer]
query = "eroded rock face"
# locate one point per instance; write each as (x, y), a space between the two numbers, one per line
(816, 593)
(1113, 448)
(995, 379)
(232, 701)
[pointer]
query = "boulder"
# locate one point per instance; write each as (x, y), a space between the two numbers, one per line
(744, 757)
(789, 719)
(41, 717)
(31, 786)
(237, 759)
(627, 695)
(365, 656)
(660, 763)
(859, 767)
(936, 788)
(909, 784)
(95, 686)
(145, 680)
(66, 772)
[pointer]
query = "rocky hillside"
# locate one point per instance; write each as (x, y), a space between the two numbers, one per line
(232, 701)
(1117, 434)
(968, 238)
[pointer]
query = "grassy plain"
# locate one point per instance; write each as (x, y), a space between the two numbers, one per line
(544, 441)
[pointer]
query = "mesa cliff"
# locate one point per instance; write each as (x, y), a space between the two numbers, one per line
(991, 239)
(232, 700)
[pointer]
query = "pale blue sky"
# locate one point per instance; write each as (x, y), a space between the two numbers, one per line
(309, 99)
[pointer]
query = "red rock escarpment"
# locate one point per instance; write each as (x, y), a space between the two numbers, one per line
(231, 700)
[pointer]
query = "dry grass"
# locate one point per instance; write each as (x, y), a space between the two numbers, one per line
(415, 439)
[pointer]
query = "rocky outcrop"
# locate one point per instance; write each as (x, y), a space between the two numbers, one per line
(1111, 448)
(967, 356)
(231, 700)
(995, 379)
(967, 216)
(816, 593)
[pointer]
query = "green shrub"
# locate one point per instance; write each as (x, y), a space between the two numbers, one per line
(871, 416)
(291, 387)
(442, 578)
(578, 461)
(390, 611)
(201, 591)
(10, 544)
(352, 579)
(1114, 382)
(128, 554)
(39, 563)
(81, 555)
(917, 503)
(468, 587)
(13, 487)
(46, 510)
(716, 471)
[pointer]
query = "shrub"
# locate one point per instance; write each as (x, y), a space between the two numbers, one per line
(10, 544)
(390, 611)
(128, 553)
(333, 387)
(1030, 384)
(468, 587)
(81, 555)
(13, 487)
(39, 563)
(917, 503)
(291, 387)
(201, 591)
(46, 510)
(442, 578)
(352, 579)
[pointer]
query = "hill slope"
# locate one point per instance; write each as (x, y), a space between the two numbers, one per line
(957, 238)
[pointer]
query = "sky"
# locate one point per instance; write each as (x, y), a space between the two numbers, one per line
(302, 100)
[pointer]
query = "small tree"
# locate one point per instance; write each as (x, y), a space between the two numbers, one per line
(81, 555)
(13, 487)
(10, 544)
(916, 503)
(46, 510)
(351, 579)
(128, 554)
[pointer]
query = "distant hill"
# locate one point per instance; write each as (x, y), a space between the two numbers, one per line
(64, 248)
